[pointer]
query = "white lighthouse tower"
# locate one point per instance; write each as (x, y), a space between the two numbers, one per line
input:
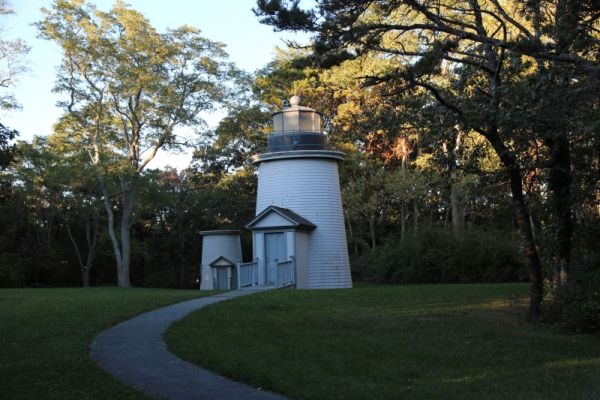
(299, 235)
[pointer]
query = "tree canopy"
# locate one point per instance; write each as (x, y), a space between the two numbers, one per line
(523, 75)
(470, 129)
(12, 64)
(127, 88)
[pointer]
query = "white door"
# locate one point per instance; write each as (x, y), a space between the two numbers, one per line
(223, 279)
(274, 253)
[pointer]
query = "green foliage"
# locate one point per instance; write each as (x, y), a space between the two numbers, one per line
(239, 135)
(12, 62)
(128, 89)
(434, 255)
(390, 342)
(13, 270)
(414, 109)
(7, 149)
(522, 75)
(576, 306)
(280, 79)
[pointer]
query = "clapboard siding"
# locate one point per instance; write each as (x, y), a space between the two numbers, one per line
(301, 249)
(310, 187)
(226, 245)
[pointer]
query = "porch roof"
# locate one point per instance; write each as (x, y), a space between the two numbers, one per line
(221, 262)
(289, 219)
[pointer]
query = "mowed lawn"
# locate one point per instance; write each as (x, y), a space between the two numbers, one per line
(45, 336)
(391, 342)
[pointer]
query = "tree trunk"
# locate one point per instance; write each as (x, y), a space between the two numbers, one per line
(510, 162)
(533, 221)
(85, 275)
(402, 220)
(446, 215)
(535, 267)
(91, 234)
(121, 250)
(111, 231)
(372, 232)
(416, 215)
(351, 235)
(457, 195)
(559, 183)
(84, 272)
(50, 232)
(181, 256)
(457, 205)
(567, 16)
(126, 219)
(523, 222)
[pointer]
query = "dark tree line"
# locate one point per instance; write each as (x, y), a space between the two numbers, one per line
(470, 128)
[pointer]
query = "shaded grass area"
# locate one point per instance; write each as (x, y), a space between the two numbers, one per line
(45, 334)
(384, 342)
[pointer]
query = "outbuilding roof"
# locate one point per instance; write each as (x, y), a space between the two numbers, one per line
(220, 232)
(222, 262)
(290, 220)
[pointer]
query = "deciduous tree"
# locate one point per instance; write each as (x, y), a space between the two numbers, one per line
(12, 63)
(127, 90)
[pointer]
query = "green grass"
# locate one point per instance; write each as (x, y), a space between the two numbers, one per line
(45, 336)
(391, 342)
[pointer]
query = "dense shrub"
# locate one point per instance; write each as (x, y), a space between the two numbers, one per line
(12, 270)
(435, 255)
(576, 307)
(37, 270)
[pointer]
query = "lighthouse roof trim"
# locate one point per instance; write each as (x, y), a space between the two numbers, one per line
(284, 155)
(294, 105)
(289, 218)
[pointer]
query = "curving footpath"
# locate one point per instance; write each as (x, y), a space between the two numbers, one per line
(134, 353)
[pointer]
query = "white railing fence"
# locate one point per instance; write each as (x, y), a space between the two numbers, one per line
(286, 273)
(247, 273)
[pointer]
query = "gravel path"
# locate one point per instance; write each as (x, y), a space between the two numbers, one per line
(134, 353)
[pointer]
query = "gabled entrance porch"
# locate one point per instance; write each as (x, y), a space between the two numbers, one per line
(280, 245)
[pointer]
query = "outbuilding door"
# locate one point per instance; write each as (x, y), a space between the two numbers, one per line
(223, 279)
(274, 253)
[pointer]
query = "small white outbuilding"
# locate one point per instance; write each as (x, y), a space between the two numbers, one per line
(221, 251)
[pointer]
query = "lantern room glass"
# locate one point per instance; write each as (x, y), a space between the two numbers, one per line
(309, 121)
(278, 122)
(297, 120)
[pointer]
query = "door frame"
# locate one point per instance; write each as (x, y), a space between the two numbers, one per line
(223, 272)
(281, 250)
(215, 275)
